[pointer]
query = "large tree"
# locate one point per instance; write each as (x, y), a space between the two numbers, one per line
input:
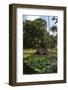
(34, 32)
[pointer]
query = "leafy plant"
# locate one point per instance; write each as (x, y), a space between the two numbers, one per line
(42, 64)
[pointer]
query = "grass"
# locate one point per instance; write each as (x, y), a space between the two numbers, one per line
(43, 63)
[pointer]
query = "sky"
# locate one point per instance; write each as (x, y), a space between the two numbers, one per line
(49, 20)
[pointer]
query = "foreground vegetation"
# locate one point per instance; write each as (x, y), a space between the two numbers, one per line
(40, 64)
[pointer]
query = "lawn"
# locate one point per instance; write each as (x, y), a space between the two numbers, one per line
(39, 64)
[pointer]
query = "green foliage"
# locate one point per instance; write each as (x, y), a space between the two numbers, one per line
(33, 31)
(41, 64)
(36, 34)
(54, 27)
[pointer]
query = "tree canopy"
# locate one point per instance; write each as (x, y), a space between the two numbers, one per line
(36, 35)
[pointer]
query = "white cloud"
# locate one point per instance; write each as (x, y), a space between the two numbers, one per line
(32, 17)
